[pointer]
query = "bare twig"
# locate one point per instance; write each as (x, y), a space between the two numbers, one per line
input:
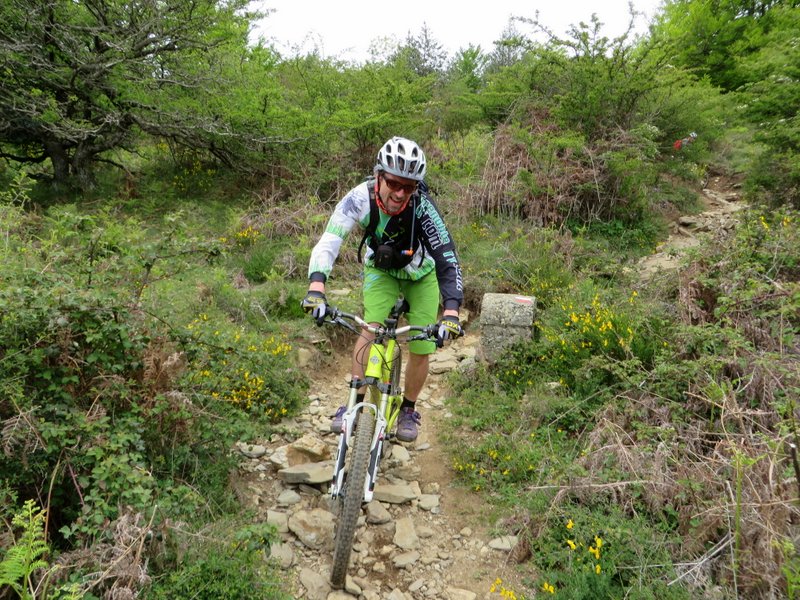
(716, 549)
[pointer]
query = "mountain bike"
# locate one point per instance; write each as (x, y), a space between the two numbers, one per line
(367, 425)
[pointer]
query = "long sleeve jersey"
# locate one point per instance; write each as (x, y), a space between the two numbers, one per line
(425, 233)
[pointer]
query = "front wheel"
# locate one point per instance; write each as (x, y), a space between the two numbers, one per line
(353, 496)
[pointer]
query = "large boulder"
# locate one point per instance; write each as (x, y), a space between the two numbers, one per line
(505, 319)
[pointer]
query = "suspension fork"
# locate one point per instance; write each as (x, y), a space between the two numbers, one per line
(348, 421)
(378, 369)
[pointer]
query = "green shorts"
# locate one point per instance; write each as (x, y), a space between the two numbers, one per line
(381, 291)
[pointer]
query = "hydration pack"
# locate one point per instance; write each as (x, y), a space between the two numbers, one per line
(388, 254)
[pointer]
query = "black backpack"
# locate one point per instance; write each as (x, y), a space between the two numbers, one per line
(387, 256)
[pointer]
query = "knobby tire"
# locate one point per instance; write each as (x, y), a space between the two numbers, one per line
(353, 496)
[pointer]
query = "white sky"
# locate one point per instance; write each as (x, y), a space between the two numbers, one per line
(346, 28)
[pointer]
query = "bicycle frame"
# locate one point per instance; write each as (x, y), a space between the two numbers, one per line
(385, 398)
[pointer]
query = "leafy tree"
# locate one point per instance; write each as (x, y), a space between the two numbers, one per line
(342, 113)
(709, 36)
(79, 79)
(600, 84)
(772, 104)
(457, 107)
(508, 50)
(422, 53)
(506, 86)
(468, 66)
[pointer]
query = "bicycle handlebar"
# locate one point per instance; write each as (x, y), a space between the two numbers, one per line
(338, 317)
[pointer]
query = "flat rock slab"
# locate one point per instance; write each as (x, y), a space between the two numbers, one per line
(394, 493)
(311, 473)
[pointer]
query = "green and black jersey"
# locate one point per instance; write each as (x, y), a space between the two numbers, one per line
(419, 227)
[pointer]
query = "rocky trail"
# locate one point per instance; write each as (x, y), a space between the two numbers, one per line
(721, 201)
(422, 536)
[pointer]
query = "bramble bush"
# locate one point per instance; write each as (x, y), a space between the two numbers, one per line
(69, 376)
(105, 404)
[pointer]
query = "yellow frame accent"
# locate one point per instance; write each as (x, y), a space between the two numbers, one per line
(379, 368)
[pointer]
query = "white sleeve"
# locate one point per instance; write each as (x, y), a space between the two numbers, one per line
(352, 209)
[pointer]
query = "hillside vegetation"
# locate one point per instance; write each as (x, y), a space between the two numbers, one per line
(163, 182)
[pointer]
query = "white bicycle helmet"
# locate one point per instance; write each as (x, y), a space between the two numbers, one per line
(402, 157)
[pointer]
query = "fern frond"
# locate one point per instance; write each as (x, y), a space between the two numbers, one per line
(24, 556)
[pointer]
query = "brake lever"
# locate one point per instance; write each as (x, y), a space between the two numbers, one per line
(427, 335)
(346, 324)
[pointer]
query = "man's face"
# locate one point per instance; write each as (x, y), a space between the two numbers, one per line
(395, 191)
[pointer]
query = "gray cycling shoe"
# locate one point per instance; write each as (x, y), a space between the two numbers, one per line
(407, 423)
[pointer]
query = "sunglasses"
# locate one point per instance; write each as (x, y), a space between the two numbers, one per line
(396, 186)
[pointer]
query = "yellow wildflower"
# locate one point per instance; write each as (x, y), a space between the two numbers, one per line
(572, 545)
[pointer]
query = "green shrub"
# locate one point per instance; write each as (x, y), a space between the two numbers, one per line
(513, 257)
(582, 340)
(514, 444)
(100, 408)
(242, 369)
(604, 243)
(71, 365)
(585, 553)
(264, 256)
(232, 567)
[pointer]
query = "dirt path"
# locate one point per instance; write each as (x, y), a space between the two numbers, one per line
(721, 200)
(448, 555)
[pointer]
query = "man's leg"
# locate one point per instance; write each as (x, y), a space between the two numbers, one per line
(416, 374)
(423, 297)
(409, 419)
(380, 293)
(360, 353)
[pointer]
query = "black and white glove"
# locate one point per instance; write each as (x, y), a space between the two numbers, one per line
(315, 303)
(449, 329)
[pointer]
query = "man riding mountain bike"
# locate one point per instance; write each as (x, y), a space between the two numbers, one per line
(409, 252)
